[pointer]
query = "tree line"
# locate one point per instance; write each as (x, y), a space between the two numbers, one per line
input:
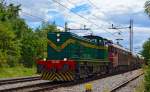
(19, 44)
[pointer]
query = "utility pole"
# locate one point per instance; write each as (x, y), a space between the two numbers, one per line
(131, 34)
(68, 29)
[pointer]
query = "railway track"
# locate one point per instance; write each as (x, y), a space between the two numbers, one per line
(27, 88)
(20, 84)
(123, 84)
(17, 80)
(46, 85)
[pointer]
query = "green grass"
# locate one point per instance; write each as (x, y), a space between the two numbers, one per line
(147, 79)
(140, 87)
(144, 84)
(18, 71)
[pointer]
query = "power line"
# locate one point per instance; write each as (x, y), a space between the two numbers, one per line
(72, 12)
(40, 18)
(97, 8)
(92, 14)
(93, 4)
(37, 17)
(82, 16)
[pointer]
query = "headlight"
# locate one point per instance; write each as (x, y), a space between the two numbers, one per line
(44, 59)
(58, 39)
(58, 35)
(65, 59)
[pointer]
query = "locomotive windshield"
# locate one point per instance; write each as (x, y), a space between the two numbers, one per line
(97, 39)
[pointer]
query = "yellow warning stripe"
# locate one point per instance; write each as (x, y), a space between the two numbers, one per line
(67, 76)
(47, 74)
(43, 75)
(62, 74)
(53, 76)
(70, 75)
(58, 76)
(50, 75)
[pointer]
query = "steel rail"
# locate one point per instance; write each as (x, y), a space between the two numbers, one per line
(123, 84)
(17, 80)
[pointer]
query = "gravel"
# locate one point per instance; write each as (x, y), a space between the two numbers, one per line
(101, 85)
(131, 86)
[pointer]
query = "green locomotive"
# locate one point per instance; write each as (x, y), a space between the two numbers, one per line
(72, 57)
(88, 54)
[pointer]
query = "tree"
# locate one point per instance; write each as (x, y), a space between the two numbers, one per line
(42, 34)
(147, 7)
(18, 42)
(8, 45)
(11, 30)
(28, 50)
(146, 50)
(34, 44)
(146, 46)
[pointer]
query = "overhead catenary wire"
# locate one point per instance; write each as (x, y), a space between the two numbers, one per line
(42, 19)
(72, 12)
(34, 16)
(92, 14)
(97, 8)
(82, 17)
(95, 16)
(93, 4)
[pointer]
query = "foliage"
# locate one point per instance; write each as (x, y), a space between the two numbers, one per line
(18, 71)
(9, 47)
(18, 43)
(147, 7)
(146, 51)
(3, 58)
(147, 79)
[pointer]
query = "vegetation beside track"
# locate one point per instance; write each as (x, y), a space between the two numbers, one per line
(146, 53)
(19, 71)
(147, 79)
(19, 44)
(140, 87)
(144, 85)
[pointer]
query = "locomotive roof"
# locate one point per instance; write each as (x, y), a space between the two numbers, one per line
(124, 49)
(119, 47)
(92, 36)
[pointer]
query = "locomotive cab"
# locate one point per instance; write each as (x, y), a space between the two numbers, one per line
(97, 39)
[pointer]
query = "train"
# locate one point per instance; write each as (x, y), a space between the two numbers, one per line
(72, 57)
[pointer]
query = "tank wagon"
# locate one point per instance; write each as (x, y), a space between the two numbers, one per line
(71, 57)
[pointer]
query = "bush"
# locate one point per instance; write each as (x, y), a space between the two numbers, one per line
(3, 58)
(147, 79)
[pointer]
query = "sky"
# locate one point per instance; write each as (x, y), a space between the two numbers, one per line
(98, 15)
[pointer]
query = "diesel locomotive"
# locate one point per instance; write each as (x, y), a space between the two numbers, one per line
(72, 57)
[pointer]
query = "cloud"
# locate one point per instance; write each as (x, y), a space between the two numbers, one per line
(98, 15)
